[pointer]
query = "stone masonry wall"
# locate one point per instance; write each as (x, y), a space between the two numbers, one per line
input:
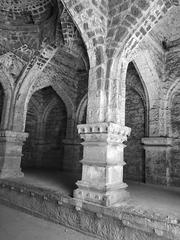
(175, 122)
(46, 125)
(135, 119)
(1, 101)
(26, 12)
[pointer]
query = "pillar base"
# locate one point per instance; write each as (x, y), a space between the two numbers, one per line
(102, 171)
(11, 173)
(107, 197)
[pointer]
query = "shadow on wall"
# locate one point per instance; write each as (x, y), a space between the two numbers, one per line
(174, 163)
(1, 101)
(46, 124)
(135, 119)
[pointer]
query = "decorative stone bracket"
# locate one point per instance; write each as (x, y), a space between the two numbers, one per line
(102, 172)
(111, 132)
(10, 153)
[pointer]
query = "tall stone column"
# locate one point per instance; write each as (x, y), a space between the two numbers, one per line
(157, 159)
(103, 161)
(10, 153)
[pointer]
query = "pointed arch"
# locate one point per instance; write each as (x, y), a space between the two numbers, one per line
(81, 109)
(89, 20)
(48, 108)
(141, 17)
(20, 113)
(175, 87)
(7, 83)
(148, 75)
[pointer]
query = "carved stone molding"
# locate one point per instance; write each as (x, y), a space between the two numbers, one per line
(157, 142)
(110, 132)
(6, 135)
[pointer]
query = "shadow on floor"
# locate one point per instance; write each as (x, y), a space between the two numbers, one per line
(64, 182)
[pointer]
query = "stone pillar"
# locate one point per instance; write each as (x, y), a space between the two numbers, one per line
(103, 161)
(157, 159)
(72, 154)
(10, 153)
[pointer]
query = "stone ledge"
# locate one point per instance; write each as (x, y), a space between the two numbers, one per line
(157, 141)
(105, 223)
(6, 135)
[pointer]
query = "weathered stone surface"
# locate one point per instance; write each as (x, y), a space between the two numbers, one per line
(46, 124)
(124, 222)
(48, 43)
(136, 111)
(157, 160)
(102, 172)
(10, 153)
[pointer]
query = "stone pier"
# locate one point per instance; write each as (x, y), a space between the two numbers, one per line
(157, 159)
(103, 161)
(10, 153)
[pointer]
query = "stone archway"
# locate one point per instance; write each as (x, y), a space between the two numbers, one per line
(82, 111)
(46, 124)
(172, 113)
(136, 119)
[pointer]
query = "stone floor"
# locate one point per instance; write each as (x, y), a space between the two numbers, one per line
(162, 200)
(16, 225)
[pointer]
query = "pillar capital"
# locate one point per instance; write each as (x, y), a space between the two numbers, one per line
(107, 132)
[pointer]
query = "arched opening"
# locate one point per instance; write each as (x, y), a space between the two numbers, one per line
(136, 119)
(174, 164)
(46, 124)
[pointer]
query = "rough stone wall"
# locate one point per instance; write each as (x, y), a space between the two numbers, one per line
(1, 100)
(134, 153)
(67, 75)
(175, 123)
(46, 125)
(150, 62)
(136, 120)
(26, 24)
(169, 27)
(136, 21)
(26, 12)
